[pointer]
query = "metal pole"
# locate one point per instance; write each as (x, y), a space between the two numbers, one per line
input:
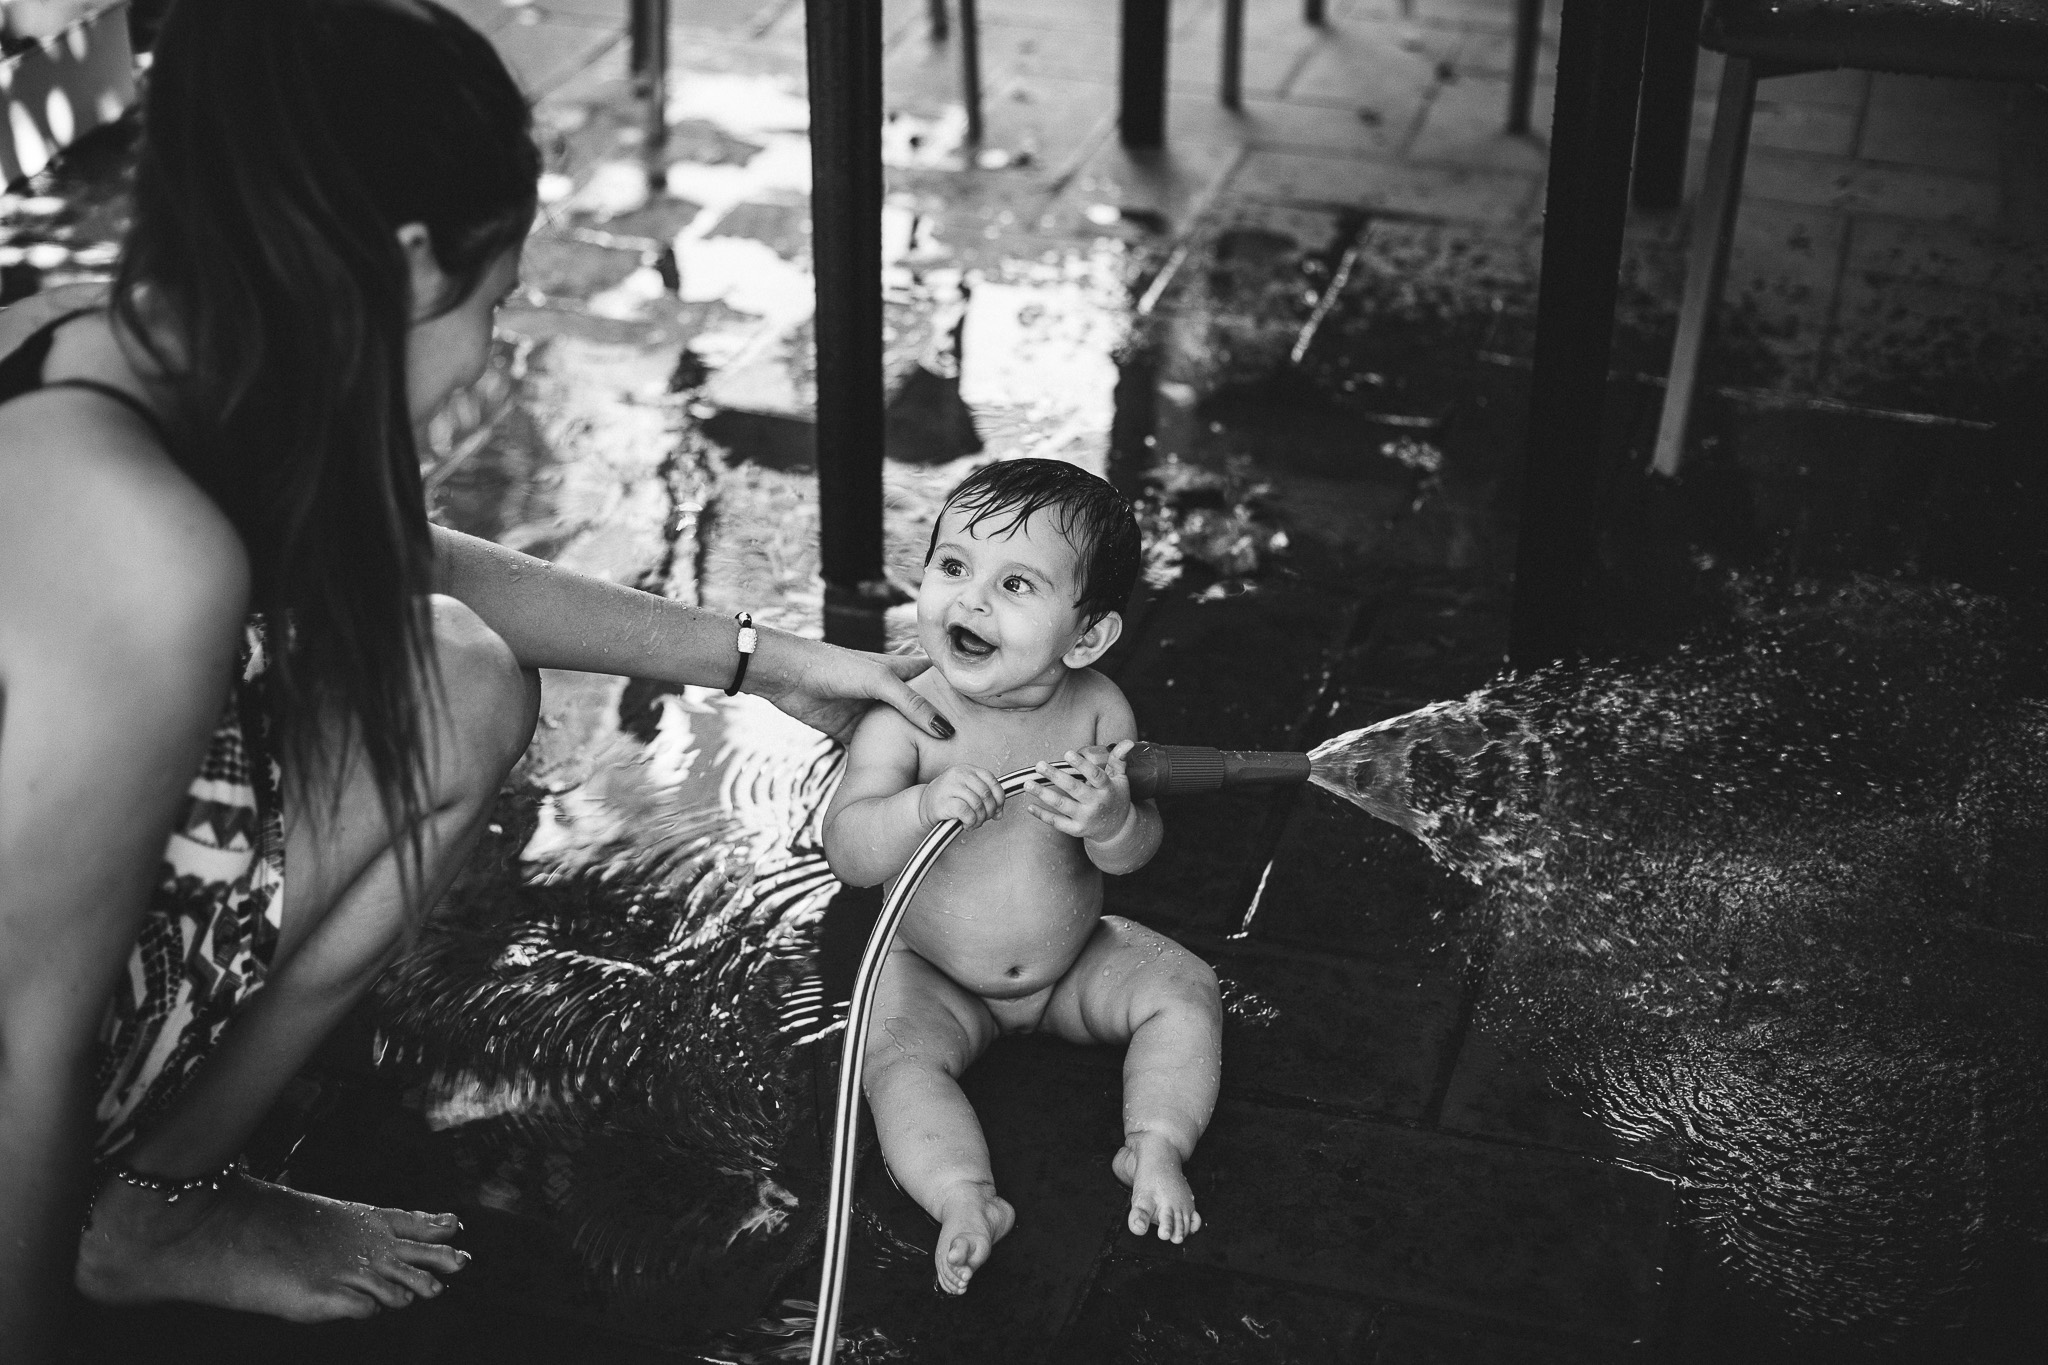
(1599, 76)
(1142, 117)
(970, 69)
(843, 40)
(1233, 54)
(1528, 38)
(651, 73)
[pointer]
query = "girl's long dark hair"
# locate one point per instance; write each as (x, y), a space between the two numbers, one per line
(284, 143)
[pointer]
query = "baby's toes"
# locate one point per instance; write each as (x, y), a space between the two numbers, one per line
(422, 1227)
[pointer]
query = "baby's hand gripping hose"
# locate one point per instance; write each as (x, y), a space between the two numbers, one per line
(1154, 770)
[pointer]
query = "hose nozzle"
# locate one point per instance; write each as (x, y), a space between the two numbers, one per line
(1182, 769)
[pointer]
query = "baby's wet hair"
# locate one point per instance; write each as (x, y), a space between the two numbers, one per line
(1091, 514)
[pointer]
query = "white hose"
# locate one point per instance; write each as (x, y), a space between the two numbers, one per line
(846, 1123)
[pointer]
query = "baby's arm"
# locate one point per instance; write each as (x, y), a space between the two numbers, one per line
(881, 811)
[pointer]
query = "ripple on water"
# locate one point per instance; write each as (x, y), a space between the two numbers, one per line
(1776, 909)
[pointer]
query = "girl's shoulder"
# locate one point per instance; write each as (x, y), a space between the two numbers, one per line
(93, 508)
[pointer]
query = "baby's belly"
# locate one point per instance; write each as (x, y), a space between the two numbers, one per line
(1006, 914)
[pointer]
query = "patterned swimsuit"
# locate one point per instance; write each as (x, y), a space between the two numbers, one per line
(211, 927)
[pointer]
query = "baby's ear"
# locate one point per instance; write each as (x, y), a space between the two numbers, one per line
(1095, 641)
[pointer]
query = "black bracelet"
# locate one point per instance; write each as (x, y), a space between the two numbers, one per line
(749, 637)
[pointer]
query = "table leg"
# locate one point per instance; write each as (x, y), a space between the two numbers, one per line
(1142, 118)
(1599, 77)
(843, 39)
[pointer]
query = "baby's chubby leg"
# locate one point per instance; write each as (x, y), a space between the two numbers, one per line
(1130, 983)
(926, 1031)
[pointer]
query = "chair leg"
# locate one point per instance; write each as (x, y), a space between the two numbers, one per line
(1522, 89)
(1671, 55)
(1713, 230)
(970, 67)
(1233, 54)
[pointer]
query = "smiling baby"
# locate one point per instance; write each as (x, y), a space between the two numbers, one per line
(1030, 564)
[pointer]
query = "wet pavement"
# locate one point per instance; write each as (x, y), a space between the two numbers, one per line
(1298, 337)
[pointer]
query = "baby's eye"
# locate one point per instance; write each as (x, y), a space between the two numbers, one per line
(1016, 583)
(952, 568)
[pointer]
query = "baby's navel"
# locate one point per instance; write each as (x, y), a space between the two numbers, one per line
(1014, 971)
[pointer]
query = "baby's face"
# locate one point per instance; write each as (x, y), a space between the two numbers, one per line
(996, 611)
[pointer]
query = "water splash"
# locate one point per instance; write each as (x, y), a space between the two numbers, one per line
(1777, 908)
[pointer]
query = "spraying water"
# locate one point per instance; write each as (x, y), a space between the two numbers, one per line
(1777, 908)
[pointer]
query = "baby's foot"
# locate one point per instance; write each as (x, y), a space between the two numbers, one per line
(972, 1219)
(1160, 1195)
(262, 1248)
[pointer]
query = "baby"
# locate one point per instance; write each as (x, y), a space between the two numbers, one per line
(1029, 566)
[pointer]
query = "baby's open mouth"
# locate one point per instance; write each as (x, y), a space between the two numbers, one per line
(967, 644)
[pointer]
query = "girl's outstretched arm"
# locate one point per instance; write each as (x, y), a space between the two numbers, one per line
(558, 618)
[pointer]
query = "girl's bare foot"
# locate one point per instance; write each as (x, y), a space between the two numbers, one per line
(972, 1219)
(262, 1248)
(1160, 1195)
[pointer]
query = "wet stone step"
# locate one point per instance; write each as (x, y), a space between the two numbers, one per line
(1346, 883)
(1234, 672)
(1336, 1032)
(1051, 1114)
(1509, 1236)
(1416, 1339)
(1500, 1091)
(1143, 1311)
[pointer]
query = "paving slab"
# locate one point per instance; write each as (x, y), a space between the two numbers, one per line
(1405, 1338)
(1140, 1311)
(1503, 1235)
(1500, 1091)
(1322, 1029)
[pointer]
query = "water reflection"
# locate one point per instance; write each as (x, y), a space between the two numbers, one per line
(1776, 907)
(617, 1015)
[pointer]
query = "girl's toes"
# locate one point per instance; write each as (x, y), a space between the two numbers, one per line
(1141, 1220)
(422, 1227)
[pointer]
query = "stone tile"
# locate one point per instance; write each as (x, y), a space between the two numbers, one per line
(1344, 882)
(1791, 125)
(1953, 137)
(1784, 269)
(1276, 43)
(1140, 1311)
(1171, 184)
(1213, 848)
(1864, 187)
(544, 54)
(1510, 1237)
(1489, 52)
(1021, 51)
(1844, 86)
(1946, 254)
(1388, 65)
(1340, 1033)
(1466, 125)
(1500, 1092)
(1052, 120)
(1052, 1115)
(1415, 1339)
(1932, 347)
(1484, 196)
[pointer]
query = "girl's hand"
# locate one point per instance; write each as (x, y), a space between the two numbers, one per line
(1093, 803)
(965, 793)
(829, 688)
